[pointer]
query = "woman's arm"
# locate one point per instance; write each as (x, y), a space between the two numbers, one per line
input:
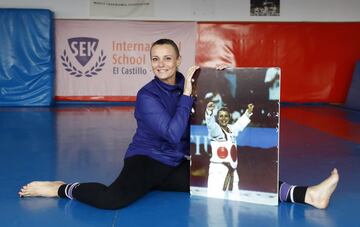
(243, 121)
(157, 118)
(213, 127)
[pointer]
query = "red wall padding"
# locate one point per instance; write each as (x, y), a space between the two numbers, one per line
(316, 59)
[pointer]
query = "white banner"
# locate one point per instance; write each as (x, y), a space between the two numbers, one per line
(109, 60)
(122, 8)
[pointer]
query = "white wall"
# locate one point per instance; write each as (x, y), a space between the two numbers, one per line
(209, 10)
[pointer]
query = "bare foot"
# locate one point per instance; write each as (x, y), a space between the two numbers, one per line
(41, 188)
(319, 195)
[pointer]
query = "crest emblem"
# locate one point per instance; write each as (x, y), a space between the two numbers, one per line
(83, 49)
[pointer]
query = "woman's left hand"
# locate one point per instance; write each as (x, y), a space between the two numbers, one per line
(250, 108)
(188, 79)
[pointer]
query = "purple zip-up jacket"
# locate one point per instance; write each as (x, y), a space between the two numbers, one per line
(162, 114)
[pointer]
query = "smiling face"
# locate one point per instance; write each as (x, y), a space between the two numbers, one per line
(223, 118)
(164, 62)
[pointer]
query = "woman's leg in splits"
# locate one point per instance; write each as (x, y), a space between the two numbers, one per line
(317, 195)
(142, 174)
(139, 175)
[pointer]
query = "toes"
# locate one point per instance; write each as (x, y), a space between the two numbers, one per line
(22, 190)
(334, 171)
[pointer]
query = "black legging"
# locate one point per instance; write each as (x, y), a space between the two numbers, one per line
(139, 176)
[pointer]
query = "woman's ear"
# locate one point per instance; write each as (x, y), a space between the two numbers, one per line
(178, 61)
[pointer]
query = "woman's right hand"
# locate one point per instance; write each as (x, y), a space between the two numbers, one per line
(210, 107)
(188, 80)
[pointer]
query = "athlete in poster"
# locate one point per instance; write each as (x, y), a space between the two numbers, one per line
(223, 162)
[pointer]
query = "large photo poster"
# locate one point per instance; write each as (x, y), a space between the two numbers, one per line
(234, 134)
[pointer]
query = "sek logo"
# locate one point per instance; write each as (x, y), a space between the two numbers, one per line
(83, 49)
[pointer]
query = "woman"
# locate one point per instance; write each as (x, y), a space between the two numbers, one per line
(157, 158)
(223, 162)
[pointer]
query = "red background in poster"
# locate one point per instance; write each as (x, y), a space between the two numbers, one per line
(316, 59)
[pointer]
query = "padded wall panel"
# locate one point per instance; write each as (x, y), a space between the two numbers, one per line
(26, 57)
(353, 97)
(316, 59)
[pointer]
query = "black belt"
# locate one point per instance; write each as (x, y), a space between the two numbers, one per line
(229, 179)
